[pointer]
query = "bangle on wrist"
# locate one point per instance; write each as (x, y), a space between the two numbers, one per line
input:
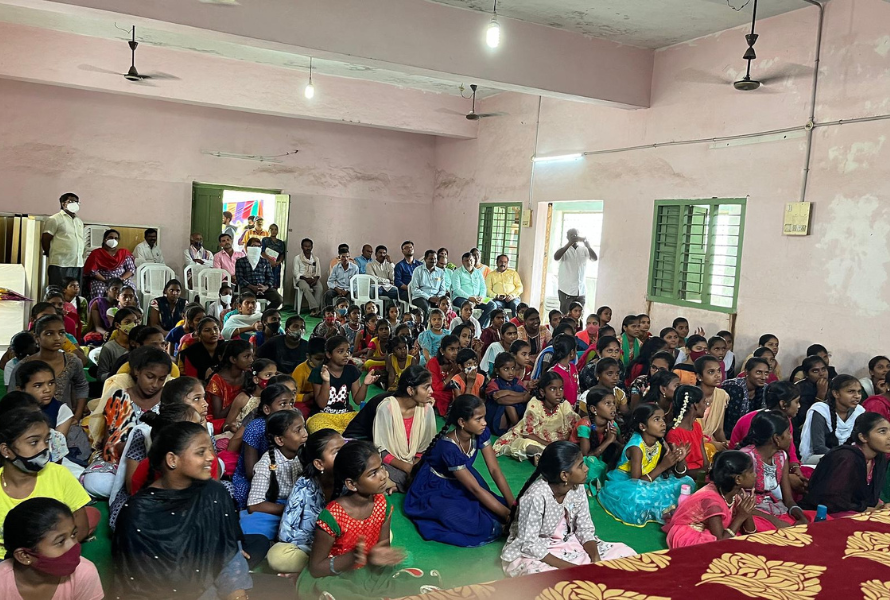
(679, 472)
(649, 477)
(729, 531)
(332, 569)
(744, 530)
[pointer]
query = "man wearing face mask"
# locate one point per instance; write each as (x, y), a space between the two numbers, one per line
(288, 350)
(255, 274)
(271, 321)
(63, 241)
(196, 254)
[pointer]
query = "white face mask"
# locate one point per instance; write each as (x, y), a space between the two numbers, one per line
(253, 255)
(112, 243)
(225, 298)
(73, 207)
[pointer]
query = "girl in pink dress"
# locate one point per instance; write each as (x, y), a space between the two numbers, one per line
(564, 352)
(720, 510)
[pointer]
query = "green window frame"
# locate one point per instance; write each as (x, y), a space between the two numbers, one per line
(696, 253)
(500, 224)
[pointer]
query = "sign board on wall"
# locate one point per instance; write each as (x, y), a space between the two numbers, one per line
(797, 218)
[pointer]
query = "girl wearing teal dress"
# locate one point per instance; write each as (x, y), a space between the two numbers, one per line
(650, 472)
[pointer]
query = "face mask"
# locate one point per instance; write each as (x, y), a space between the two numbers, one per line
(33, 464)
(263, 383)
(295, 335)
(59, 566)
(593, 329)
(329, 319)
(253, 253)
(341, 311)
(73, 207)
(697, 355)
(112, 243)
(273, 325)
(226, 298)
(197, 245)
(128, 328)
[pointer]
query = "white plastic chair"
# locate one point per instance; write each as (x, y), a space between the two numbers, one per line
(151, 279)
(298, 296)
(363, 289)
(209, 282)
(190, 282)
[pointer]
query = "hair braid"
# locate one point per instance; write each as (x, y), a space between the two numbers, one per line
(528, 483)
(272, 492)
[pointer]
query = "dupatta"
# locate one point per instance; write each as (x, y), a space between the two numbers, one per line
(174, 543)
(101, 260)
(390, 434)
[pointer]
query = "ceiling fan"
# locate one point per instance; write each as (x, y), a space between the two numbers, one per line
(132, 74)
(746, 84)
(473, 115)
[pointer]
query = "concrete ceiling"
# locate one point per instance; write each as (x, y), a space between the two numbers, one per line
(641, 23)
(108, 26)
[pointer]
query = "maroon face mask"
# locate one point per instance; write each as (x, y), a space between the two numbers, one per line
(59, 566)
(697, 355)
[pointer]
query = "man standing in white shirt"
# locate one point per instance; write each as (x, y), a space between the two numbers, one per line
(199, 256)
(148, 251)
(63, 241)
(572, 259)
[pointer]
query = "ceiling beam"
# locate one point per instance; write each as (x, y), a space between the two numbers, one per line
(421, 38)
(68, 60)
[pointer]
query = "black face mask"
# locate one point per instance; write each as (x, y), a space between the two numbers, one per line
(197, 245)
(273, 325)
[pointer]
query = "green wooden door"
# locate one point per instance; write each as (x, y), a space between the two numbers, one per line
(207, 214)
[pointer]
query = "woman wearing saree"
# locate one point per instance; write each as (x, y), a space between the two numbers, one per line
(108, 262)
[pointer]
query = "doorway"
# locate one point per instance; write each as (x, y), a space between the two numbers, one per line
(209, 201)
(587, 218)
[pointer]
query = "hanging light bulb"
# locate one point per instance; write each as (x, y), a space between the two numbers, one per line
(493, 33)
(309, 92)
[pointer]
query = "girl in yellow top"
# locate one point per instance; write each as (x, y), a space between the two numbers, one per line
(650, 472)
(397, 362)
(378, 348)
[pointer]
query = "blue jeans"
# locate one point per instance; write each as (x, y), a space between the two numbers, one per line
(512, 305)
(487, 309)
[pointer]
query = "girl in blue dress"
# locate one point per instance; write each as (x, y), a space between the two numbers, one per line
(448, 500)
(650, 472)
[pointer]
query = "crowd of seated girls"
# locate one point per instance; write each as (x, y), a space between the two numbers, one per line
(222, 438)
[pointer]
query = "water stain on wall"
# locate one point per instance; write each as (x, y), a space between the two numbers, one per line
(854, 252)
(856, 157)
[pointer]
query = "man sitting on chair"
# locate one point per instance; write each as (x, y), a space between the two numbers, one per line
(341, 275)
(255, 274)
(382, 268)
(427, 284)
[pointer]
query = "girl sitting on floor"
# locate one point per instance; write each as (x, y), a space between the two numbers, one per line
(521, 351)
(405, 424)
(464, 334)
(630, 345)
(273, 477)
(43, 557)
(849, 479)
(506, 397)
(225, 385)
(767, 443)
(642, 363)
(720, 510)
(351, 554)
(443, 367)
(607, 373)
(830, 423)
(783, 397)
(661, 393)
(878, 367)
(548, 418)
(377, 351)
(564, 354)
(310, 494)
(508, 335)
(466, 318)
(650, 473)
(430, 339)
(709, 374)
(393, 316)
(180, 532)
(468, 379)
(879, 403)
(28, 473)
(361, 348)
(274, 398)
(448, 500)
(397, 361)
(689, 408)
(552, 528)
(332, 383)
(255, 381)
(660, 361)
(598, 436)
(445, 307)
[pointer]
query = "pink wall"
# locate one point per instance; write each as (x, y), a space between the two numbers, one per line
(133, 161)
(830, 287)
